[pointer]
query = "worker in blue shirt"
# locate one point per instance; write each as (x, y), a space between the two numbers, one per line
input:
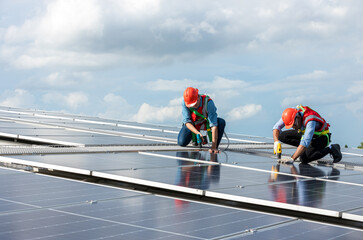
(200, 113)
(310, 135)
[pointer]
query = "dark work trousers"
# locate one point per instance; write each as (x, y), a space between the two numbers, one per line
(185, 135)
(316, 150)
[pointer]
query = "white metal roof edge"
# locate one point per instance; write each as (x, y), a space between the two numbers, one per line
(268, 203)
(94, 131)
(352, 154)
(44, 165)
(178, 158)
(43, 140)
(51, 141)
(351, 216)
(148, 183)
(243, 140)
(75, 119)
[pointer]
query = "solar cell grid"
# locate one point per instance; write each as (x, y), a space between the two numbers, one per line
(105, 161)
(123, 214)
(126, 214)
(45, 191)
(302, 230)
(178, 216)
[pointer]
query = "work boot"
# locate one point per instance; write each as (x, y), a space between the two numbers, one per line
(335, 153)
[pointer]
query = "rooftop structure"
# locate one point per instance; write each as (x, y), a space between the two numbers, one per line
(66, 176)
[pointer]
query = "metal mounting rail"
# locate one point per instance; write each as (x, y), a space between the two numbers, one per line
(60, 149)
(106, 148)
(86, 130)
(246, 148)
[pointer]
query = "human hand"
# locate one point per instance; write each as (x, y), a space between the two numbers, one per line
(286, 160)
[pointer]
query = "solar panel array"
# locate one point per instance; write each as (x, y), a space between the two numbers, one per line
(66, 176)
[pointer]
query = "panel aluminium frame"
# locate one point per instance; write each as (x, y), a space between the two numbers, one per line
(171, 187)
(352, 216)
(50, 167)
(267, 203)
(248, 168)
(95, 131)
(146, 183)
(39, 140)
(210, 196)
(263, 206)
(100, 122)
(117, 124)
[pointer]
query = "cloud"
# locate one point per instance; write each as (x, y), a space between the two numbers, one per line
(279, 52)
(355, 98)
(312, 76)
(356, 106)
(291, 83)
(18, 98)
(243, 112)
(134, 9)
(37, 57)
(64, 80)
(176, 101)
(295, 89)
(222, 88)
(356, 87)
(231, 87)
(72, 100)
(193, 32)
(69, 33)
(164, 114)
(293, 101)
(170, 85)
(224, 83)
(95, 33)
(181, 85)
(61, 23)
(317, 27)
(116, 107)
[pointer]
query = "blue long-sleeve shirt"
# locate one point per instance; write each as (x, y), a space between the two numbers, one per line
(211, 109)
(311, 126)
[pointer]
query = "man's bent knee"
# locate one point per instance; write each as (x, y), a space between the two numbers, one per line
(182, 142)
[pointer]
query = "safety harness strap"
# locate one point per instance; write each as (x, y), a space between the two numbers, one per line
(316, 133)
(203, 118)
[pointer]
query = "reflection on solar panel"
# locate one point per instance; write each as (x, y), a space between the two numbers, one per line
(66, 176)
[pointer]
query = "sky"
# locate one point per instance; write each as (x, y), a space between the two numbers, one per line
(131, 60)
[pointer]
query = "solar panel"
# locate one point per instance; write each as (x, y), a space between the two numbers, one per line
(43, 191)
(53, 208)
(302, 230)
(145, 157)
(105, 161)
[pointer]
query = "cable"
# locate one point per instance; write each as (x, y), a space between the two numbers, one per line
(225, 134)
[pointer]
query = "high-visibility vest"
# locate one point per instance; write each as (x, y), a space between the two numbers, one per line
(199, 117)
(310, 115)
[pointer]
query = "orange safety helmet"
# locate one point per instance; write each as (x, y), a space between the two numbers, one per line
(288, 116)
(190, 96)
